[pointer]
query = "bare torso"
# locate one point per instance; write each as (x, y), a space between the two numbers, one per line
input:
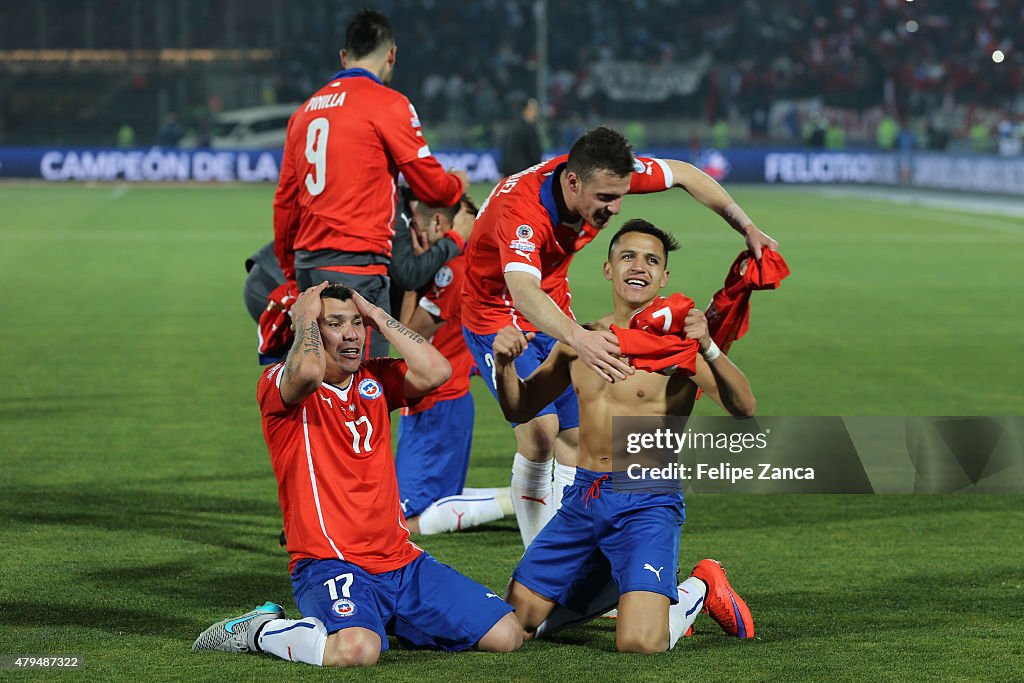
(642, 394)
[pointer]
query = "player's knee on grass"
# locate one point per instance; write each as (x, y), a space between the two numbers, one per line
(536, 439)
(504, 636)
(530, 608)
(352, 647)
(642, 623)
(643, 642)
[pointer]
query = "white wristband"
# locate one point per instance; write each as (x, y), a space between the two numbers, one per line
(712, 353)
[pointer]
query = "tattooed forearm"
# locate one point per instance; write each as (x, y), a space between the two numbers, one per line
(313, 343)
(404, 331)
(292, 361)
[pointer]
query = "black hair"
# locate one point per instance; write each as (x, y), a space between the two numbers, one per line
(367, 31)
(647, 228)
(336, 291)
(601, 149)
(446, 211)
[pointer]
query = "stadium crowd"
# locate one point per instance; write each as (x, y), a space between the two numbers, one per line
(471, 66)
(854, 54)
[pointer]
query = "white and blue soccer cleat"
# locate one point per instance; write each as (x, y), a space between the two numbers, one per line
(232, 635)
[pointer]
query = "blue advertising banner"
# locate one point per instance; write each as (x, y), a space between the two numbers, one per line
(985, 174)
(174, 165)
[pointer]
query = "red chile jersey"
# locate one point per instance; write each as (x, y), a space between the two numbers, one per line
(444, 301)
(518, 229)
(344, 149)
(335, 472)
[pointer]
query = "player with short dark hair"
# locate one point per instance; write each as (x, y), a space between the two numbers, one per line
(435, 436)
(334, 209)
(523, 241)
(639, 225)
(356, 576)
(622, 548)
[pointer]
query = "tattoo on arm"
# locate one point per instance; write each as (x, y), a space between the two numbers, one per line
(313, 343)
(404, 331)
(292, 361)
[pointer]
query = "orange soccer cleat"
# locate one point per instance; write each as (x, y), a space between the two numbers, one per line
(722, 603)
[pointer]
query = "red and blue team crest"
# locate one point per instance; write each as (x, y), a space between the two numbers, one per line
(443, 277)
(369, 389)
(714, 163)
(343, 608)
(524, 233)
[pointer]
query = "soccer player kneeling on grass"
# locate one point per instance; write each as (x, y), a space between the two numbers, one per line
(623, 548)
(356, 576)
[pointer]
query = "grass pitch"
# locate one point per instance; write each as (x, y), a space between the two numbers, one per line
(139, 505)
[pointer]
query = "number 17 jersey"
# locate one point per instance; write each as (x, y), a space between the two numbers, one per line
(335, 470)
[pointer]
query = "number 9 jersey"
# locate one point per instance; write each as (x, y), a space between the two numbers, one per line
(344, 149)
(335, 470)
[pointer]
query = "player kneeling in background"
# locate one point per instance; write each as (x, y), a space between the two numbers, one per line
(356, 576)
(621, 548)
(435, 435)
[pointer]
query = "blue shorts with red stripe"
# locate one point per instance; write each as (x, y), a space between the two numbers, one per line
(425, 604)
(600, 534)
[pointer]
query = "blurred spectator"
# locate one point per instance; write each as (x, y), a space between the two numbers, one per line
(980, 137)
(835, 137)
(1010, 135)
(814, 131)
(885, 134)
(720, 135)
(125, 136)
(170, 133)
(520, 146)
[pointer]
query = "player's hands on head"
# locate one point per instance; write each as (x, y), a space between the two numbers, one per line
(599, 351)
(509, 344)
(695, 326)
(366, 309)
(757, 240)
(420, 243)
(463, 176)
(308, 306)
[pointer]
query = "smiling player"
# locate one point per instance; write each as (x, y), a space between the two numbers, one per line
(621, 547)
(525, 236)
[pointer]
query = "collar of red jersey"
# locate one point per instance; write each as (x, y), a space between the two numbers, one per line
(547, 195)
(352, 73)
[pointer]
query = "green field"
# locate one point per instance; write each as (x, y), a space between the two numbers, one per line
(138, 503)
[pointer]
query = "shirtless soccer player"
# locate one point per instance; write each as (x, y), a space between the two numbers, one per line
(624, 546)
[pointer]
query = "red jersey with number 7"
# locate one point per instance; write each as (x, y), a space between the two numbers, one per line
(518, 229)
(344, 149)
(335, 471)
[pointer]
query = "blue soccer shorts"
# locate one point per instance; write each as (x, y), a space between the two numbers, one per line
(600, 535)
(425, 604)
(432, 457)
(482, 348)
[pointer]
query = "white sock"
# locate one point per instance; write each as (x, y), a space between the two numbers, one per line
(297, 640)
(562, 617)
(564, 476)
(503, 495)
(456, 513)
(682, 614)
(531, 496)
